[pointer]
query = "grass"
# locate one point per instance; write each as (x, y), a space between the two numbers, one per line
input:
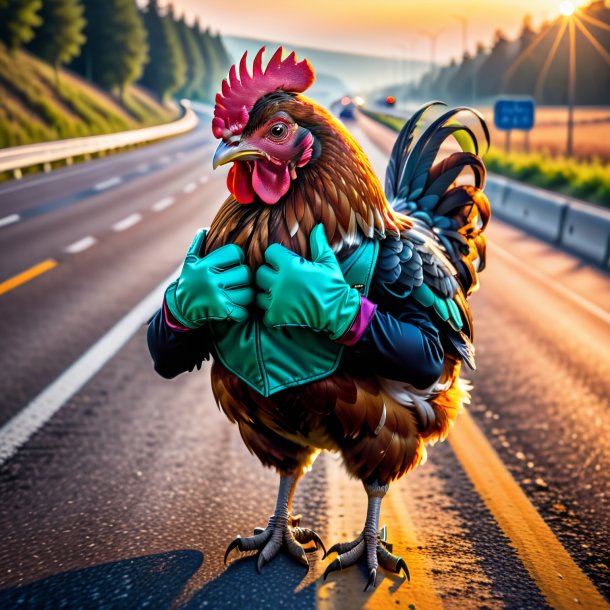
(587, 180)
(33, 109)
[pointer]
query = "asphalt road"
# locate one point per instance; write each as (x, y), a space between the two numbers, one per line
(129, 494)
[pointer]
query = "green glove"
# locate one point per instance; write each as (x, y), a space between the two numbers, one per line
(297, 292)
(215, 287)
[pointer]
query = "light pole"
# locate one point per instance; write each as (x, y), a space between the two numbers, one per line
(567, 10)
(432, 36)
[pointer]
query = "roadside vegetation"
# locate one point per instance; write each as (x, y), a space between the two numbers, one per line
(33, 109)
(587, 180)
(73, 68)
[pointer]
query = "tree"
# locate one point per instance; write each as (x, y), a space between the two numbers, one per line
(18, 18)
(193, 84)
(60, 37)
(166, 70)
(116, 48)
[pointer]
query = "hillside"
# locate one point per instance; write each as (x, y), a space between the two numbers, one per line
(32, 109)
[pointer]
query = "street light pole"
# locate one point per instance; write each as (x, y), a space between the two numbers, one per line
(571, 89)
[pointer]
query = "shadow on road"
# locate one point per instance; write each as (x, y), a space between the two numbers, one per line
(241, 586)
(153, 581)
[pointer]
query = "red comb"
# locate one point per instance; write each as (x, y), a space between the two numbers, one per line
(239, 94)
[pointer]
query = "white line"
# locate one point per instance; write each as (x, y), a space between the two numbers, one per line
(180, 155)
(127, 222)
(9, 220)
(101, 186)
(163, 203)
(81, 245)
(165, 159)
(22, 426)
(600, 313)
(204, 179)
(189, 188)
(143, 167)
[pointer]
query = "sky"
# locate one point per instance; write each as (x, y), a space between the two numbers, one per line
(391, 28)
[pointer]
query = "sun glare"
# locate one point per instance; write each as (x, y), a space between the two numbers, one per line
(566, 8)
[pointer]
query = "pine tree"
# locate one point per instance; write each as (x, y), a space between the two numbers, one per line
(166, 70)
(18, 18)
(60, 37)
(116, 48)
(193, 84)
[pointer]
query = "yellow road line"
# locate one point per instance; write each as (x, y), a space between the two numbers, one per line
(559, 579)
(27, 275)
(346, 511)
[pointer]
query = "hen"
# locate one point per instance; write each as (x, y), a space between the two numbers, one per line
(336, 314)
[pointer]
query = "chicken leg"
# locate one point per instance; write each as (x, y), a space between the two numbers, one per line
(369, 544)
(282, 530)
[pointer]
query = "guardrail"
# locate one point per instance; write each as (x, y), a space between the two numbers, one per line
(576, 225)
(17, 158)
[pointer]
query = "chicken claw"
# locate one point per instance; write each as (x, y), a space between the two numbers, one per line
(280, 532)
(370, 544)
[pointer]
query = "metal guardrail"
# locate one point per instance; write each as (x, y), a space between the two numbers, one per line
(578, 226)
(44, 153)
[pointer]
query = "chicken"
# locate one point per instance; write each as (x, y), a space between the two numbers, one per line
(336, 314)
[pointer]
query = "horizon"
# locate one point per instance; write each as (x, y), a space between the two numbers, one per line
(394, 30)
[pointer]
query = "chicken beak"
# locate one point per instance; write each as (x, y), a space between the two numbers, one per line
(225, 153)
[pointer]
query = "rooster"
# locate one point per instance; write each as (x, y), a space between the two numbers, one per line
(336, 313)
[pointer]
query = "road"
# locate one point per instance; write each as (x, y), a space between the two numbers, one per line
(119, 489)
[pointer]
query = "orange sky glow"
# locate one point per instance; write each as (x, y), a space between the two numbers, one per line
(390, 28)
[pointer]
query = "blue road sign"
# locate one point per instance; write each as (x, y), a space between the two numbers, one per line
(514, 113)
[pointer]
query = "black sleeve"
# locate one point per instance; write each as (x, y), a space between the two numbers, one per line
(173, 351)
(404, 346)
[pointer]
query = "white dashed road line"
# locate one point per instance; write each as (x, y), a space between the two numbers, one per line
(189, 188)
(106, 184)
(81, 245)
(143, 167)
(9, 220)
(163, 204)
(35, 415)
(127, 222)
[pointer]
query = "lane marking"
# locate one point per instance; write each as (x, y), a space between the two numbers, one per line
(27, 275)
(346, 510)
(9, 220)
(597, 311)
(559, 579)
(165, 159)
(106, 184)
(127, 222)
(189, 188)
(34, 416)
(143, 167)
(163, 204)
(204, 179)
(81, 245)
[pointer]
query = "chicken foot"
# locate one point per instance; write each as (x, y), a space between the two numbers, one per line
(282, 531)
(370, 544)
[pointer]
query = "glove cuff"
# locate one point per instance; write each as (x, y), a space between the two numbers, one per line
(360, 324)
(347, 312)
(172, 306)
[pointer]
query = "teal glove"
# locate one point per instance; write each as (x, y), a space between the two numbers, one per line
(297, 292)
(215, 287)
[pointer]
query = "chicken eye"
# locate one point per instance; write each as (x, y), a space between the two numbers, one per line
(278, 131)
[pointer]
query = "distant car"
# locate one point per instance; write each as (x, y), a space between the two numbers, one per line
(347, 112)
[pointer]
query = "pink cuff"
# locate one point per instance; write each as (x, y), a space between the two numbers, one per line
(171, 321)
(360, 324)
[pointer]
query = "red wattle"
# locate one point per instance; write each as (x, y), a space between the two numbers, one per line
(239, 182)
(270, 181)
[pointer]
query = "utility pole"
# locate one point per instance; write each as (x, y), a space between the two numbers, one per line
(571, 89)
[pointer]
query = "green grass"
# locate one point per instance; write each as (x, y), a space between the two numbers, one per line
(587, 180)
(33, 109)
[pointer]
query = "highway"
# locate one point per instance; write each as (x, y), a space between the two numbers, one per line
(119, 489)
